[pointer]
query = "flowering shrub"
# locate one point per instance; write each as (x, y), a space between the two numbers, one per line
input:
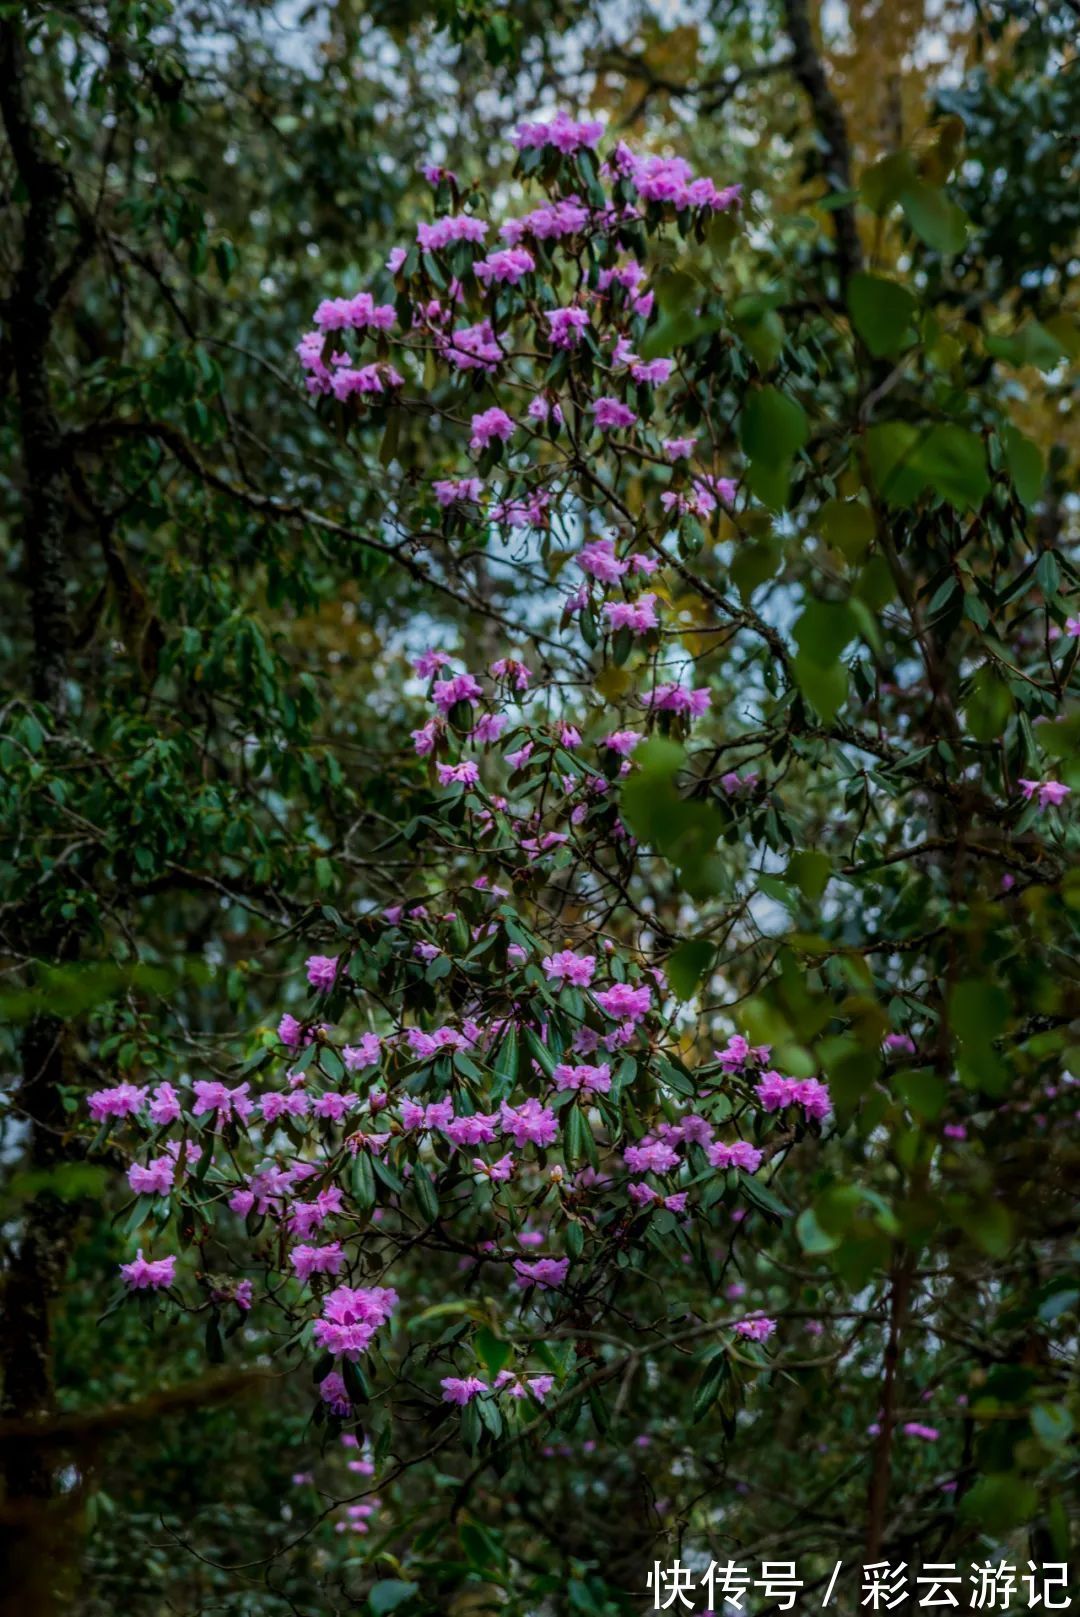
(526, 1076)
(458, 1078)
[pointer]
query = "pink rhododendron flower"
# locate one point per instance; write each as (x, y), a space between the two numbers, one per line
(350, 1318)
(757, 1329)
(451, 227)
(597, 1080)
(367, 1053)
(529, 1123)
(679, 699)
(549, 222)
(488, 728)
(622, 1000)
(612, 413)
(426, 738)
(321, 971)
(546, 1273)
(735, 785)
(499, 1171)
(461, 1390)
(518, 1386)
(123, 1100)
(638, 616)
(653, 371)
(623, 742)
(650, 1156)
(446, 693)
(226, 1104)
(488, 425)
(739, 1154)
(510, 265)
(478, 1128)
(317, 1260)
(562, 132)
(450, 491)
(465, 774)
(356, 313)
(276, 1105)
(776, 1092)
(332, 1391)
(333, 1107)
(289, 1031)
(515, 673)
(599, 560)
(739, 1053)
(565, 326)
(543, 409)
(472, 348)
(1050, 792)
(156, 1179)
(899, 1043)
(376, 378)
(164, 1105)
(148, 1274)
(568, 967)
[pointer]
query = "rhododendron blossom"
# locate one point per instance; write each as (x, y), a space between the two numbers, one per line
(148, 1274)
(568, 967)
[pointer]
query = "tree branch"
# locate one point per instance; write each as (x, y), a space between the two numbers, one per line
(809, 71)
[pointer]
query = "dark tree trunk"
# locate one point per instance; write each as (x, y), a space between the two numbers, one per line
(39, 1249)
(809, 70)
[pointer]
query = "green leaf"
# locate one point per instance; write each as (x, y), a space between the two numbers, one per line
(426, 1195)
(774, 426)
(882, 183)
(684, 830)
(708, 1388)
(1032, 344)
(506, 1064)
(773, 429)
(999, 1503)
(978, 1011)
(686, 966)
(923, 1092)
(848, 526)
(953, 461)
(388, 1594)
(824, 688)
(934, 219)
(492, 1350)
(890, 446)
(823, 630)
(762, 1196)
(1048, 573)
(812, 1237)
(1026, 465)
(882, 312)
(540, 1052)
(810, 871)
(753, 563)
(363, 1181)
(389, 1176)
(575, 1135)
(762, 334)
(989, 706)
(1052, 1424)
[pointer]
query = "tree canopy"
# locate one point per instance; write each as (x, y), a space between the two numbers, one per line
(538, 744)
